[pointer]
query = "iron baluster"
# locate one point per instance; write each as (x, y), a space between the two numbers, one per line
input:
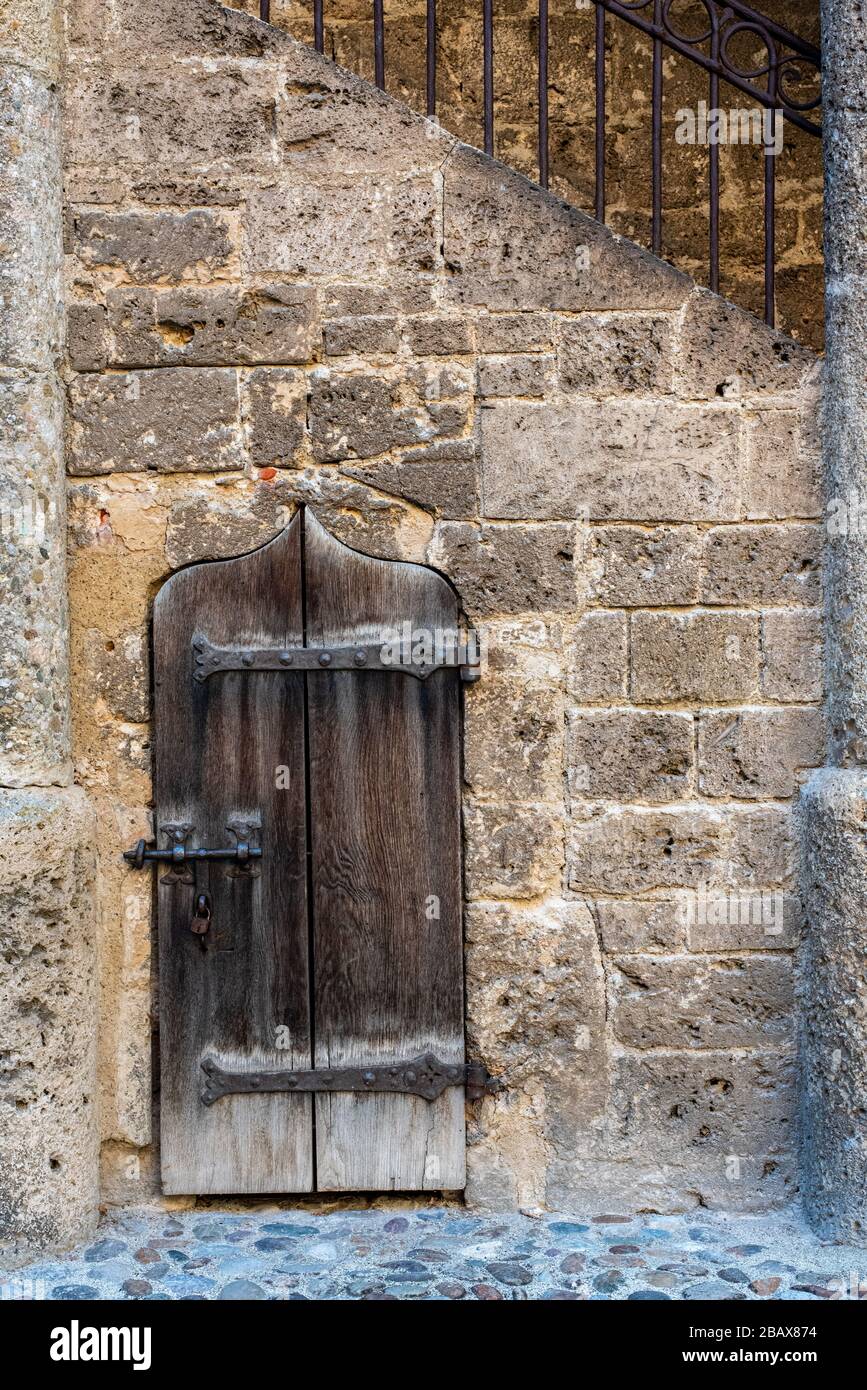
(543, 93)
(488, 46)
(379, 44)
(431, 57)
(656, 139)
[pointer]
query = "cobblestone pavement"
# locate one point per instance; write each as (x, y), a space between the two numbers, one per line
(442, 1252)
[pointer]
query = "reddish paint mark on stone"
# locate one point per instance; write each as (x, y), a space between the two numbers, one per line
(266, 474)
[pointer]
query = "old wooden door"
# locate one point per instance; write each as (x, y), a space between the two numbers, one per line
(301, 978)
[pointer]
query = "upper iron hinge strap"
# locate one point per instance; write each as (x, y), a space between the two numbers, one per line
(209, 660)
(424, 1076)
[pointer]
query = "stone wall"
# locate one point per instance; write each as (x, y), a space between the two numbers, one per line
(283, 286)
(349, 40)
(47, 959)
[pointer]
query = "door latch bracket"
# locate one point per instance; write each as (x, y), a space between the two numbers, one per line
(180, 856)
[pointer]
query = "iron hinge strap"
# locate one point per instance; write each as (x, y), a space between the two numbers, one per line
(424, 1076)
(209, 660)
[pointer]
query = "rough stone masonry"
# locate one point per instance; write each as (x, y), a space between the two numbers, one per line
(283, 286)
(48, 1153)
(348, 39)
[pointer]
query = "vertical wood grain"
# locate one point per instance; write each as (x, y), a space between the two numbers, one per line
(218, 747)
(376, 769)
(384, 787)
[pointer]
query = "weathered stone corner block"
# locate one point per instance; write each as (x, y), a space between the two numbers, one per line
(48, 1158)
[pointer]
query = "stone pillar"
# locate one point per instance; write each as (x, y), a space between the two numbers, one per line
(48, 1148)
(834, 804)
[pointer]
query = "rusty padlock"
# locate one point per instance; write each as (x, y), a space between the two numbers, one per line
(202, 915)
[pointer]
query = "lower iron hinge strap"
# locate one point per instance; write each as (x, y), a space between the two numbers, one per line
(424, 1076)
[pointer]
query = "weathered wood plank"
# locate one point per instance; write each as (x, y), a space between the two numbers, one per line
(384, 786)
(218, 746)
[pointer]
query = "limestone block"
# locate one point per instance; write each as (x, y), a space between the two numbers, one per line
(359, 301)
(649, 924)
(218, 523)
(513, 734)
(329, 119)
(630, 755)
(743, 919)
(34, 680)
(360, 336)
(762, 848)
(510, 569)
(442, 477)
(546, 255)
(113, 756)
(87, 337)
(83, 186)
(506, 1152)
(600, 666)
(117, 521)
(535, 989)
(635, 461)
(782, 472)
(723, 349)
(165, 32)
(616, 354)
(645, 567)
(721, 1129)
(515, 376)
(536, 1013)
(521, 332)
(154, 247)
(532, 646)
(137, 120)
(48, 1159)
(118, 673)
(512, 851)
(755, 565)
(173, 419)
(695, 656)
(628, 850)
(128, 1175)
(758, 753)
(274, 411)
(441, 382)
(700, 1002)
(359, 416)
(220, 188)
(274, 324)
(364, 229)
(792, 655)
(31, 325)
(438, 335)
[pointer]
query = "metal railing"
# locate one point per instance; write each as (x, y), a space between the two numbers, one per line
(785, 79)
